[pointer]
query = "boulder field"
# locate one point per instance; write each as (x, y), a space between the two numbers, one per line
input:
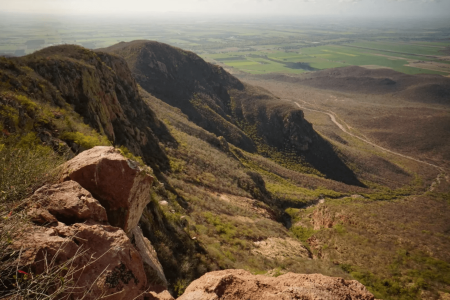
(91, 219)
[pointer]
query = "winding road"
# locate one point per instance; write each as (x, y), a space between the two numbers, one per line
(341, 127)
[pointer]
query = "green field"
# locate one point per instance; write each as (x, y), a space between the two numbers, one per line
(333, 56)
(401, 47)
(254, 48)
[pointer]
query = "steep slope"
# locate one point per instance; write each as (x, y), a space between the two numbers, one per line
(409, 116)
(247, 117)
(364, 233)
(184, 80)
(222, 207)
(102, 90)
(73, 99)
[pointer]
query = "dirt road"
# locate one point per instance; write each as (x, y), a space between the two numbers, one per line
(341, 127)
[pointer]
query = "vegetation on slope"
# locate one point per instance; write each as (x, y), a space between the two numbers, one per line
(218, 206)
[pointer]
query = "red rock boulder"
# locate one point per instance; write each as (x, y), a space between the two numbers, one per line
(240, 284)
(164, 295)
(67, 202)
(117, 182)
(108, 264)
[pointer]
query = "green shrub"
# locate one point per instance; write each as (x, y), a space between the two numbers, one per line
(303, 233)
(86, 141)
(24, 166)
(26, 102)
(180, 286)
(127, 153)
(339, 228)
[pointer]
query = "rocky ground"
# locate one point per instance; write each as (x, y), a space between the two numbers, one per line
(90, 219)
(306, 197)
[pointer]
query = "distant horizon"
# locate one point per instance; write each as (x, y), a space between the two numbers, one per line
(250, 8)
(178, 17)
(190, 15)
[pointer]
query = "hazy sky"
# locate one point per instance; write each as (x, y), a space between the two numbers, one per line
(292, 7)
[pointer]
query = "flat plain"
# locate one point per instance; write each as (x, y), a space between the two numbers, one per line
(251, 47)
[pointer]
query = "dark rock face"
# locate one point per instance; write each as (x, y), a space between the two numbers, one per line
(184, 80)
(245, 116)
(213, 98)
(102, 90)
(281, 125)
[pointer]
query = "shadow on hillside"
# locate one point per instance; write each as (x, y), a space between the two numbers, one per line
(174, 247)
(323, 157)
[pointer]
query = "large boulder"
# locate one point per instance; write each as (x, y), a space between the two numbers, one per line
(152, 266)
(164, 295)
(240, 284)
(67, 202)
(106, 261)
(117, 182)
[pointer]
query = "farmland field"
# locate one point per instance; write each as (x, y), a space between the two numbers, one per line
(251, 47)
(332, 56)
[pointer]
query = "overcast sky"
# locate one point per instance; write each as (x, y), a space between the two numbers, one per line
(404, 8)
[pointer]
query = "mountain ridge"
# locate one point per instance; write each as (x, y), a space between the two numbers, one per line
(216, 206)
(250, 118)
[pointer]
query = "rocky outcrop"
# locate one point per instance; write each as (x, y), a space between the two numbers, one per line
(101, 88)
(103, 259)
(95, 259)
(184, 80)
(152, 266)
(164, 295)
(240, 284)
(117, 182)
(67, 202)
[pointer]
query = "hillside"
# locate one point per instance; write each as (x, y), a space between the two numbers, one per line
(216, 202)
(424, 88)
(250, 118)
(98, 87)
(184, 80)
(405, 113)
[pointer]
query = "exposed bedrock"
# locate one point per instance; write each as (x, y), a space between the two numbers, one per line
(240, 284)
(117, 182)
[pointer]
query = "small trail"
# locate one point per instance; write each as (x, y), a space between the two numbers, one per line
(332, 116)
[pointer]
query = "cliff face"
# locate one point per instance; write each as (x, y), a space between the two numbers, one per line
(277, 123)
(101, 89)
(248, 117)
(184, 80)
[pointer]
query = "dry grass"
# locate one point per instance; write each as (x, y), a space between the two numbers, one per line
(398, 249)
(24, 168)
(206, 177)
(412, 128)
